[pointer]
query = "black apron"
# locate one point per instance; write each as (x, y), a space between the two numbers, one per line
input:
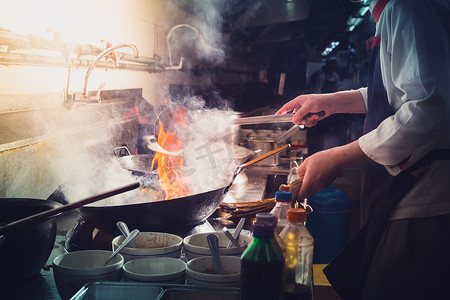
(380, 193)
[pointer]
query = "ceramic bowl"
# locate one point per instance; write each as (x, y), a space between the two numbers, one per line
(73, 270)
(196, 245)
(155, 270)
(150, 244)
(201, 271)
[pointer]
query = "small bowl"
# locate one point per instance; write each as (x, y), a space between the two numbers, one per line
(73, 270)
(150, 244)
(155, 270)
(202, 271)
(196, 245)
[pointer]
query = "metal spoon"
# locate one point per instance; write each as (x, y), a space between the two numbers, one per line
(237, 231)
(231, 238)
(127, 240)
(125, 231)
(213, 242)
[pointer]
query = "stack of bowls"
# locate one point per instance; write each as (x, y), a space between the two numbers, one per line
(202, 271)
(200, 268)
(156, 258)
(155, 270)
(73, 270)
(196, 245)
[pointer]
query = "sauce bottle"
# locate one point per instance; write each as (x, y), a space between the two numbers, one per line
(298, 264)
(282, 204)
(270, 218)
(261, 266)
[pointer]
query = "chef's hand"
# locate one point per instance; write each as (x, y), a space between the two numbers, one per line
(308, 109)
(320, 169)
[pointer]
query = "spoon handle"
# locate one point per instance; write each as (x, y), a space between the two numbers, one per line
(213, 242)
(237, 231)
(125, 231)
(127, 240)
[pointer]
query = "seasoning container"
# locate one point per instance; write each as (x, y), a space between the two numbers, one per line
(270, 218)
(261, 266)
(283, 201)
(298, 265)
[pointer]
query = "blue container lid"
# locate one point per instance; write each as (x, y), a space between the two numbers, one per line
(330, 200)
(283, 196)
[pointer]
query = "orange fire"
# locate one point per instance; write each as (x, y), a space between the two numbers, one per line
(170, 167)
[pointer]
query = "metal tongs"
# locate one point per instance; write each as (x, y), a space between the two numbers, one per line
(283, 118)
(264, 119)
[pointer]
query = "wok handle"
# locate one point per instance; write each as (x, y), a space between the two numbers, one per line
(264, 156)
(52, 212)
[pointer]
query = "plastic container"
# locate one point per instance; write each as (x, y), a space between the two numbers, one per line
(283, 203)
(261, 266)
(329, 223)
(298, 264)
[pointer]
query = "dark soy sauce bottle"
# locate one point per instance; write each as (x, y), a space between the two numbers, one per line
(261, 266)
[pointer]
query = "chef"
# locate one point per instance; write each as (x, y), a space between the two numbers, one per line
(403, 249)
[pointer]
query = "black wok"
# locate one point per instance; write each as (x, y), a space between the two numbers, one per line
(25, 250)
(178, 213)
(28, 232)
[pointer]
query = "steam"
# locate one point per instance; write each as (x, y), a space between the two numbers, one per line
(208, 149)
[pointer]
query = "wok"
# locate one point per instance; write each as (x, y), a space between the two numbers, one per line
(176, 214)
(29, 233)
(25, 250)
(139, 164)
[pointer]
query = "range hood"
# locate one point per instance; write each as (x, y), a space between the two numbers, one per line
(271, 12)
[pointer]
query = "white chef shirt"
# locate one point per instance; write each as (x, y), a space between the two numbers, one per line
(414, 59)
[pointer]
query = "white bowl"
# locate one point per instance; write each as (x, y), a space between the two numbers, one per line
(155, 270)
(202, 271)
(150, 244)
(196, 245)
(73, 270)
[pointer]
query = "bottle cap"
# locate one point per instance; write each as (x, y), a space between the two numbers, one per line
(266, 217)
(263, 229)
(296, 214)
(283, 196)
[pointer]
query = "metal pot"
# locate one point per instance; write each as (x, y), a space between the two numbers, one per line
(25, 250)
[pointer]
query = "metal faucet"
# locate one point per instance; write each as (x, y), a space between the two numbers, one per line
(84, 94)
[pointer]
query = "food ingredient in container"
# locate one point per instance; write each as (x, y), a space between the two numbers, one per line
(150, 244)
(196, 245)
(201, 271)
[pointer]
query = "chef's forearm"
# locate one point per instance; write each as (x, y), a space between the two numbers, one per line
(350, 101)
(349, 155)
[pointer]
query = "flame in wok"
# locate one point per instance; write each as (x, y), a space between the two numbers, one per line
(170, 167)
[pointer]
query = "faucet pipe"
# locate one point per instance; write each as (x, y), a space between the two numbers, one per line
(100, 56)
(169, 35)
